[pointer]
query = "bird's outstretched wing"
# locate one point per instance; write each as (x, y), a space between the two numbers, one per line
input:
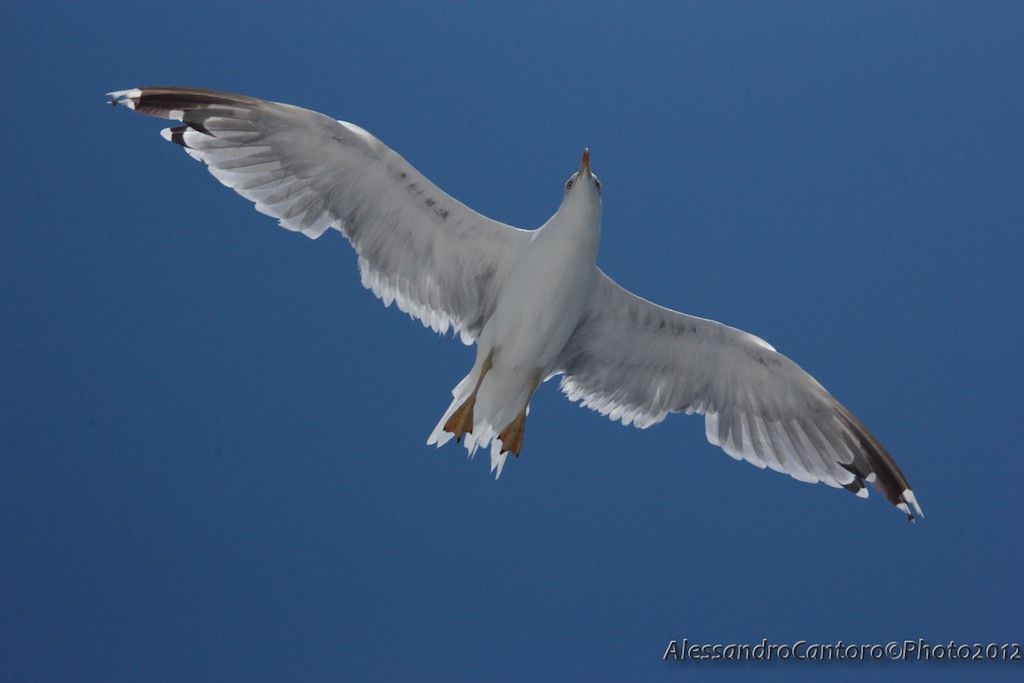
(636, 362)
(435, 258)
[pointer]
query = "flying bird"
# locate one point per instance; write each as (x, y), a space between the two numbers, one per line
(533, 301)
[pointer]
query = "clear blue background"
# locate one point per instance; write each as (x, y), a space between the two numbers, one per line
(212, 439)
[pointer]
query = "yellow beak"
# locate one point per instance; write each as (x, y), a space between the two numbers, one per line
(585, 164)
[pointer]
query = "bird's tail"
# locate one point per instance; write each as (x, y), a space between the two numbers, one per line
(491, 413)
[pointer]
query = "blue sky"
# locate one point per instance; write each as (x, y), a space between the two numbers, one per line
(212, 439)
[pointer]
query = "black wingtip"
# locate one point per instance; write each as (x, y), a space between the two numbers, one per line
(887, 479)
(177, 135)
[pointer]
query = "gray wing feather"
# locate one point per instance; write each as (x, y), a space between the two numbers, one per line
(435, 258)
(635, 361)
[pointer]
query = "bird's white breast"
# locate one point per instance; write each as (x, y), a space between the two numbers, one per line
(541, 302)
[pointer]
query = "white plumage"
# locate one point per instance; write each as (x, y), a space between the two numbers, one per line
(534, 302)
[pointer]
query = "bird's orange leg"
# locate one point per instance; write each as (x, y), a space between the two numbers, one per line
(511, 436)
(461, 421)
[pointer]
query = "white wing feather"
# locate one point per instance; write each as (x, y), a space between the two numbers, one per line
(636, 362)
(434, 257)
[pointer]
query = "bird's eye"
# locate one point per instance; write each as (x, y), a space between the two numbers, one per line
(597, 183)
(568, 184)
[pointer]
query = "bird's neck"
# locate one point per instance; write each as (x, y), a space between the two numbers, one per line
(577, 218)
(573, 229)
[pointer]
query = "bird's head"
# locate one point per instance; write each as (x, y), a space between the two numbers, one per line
(583, 183)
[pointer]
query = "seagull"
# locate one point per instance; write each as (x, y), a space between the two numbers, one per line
(533, 301)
